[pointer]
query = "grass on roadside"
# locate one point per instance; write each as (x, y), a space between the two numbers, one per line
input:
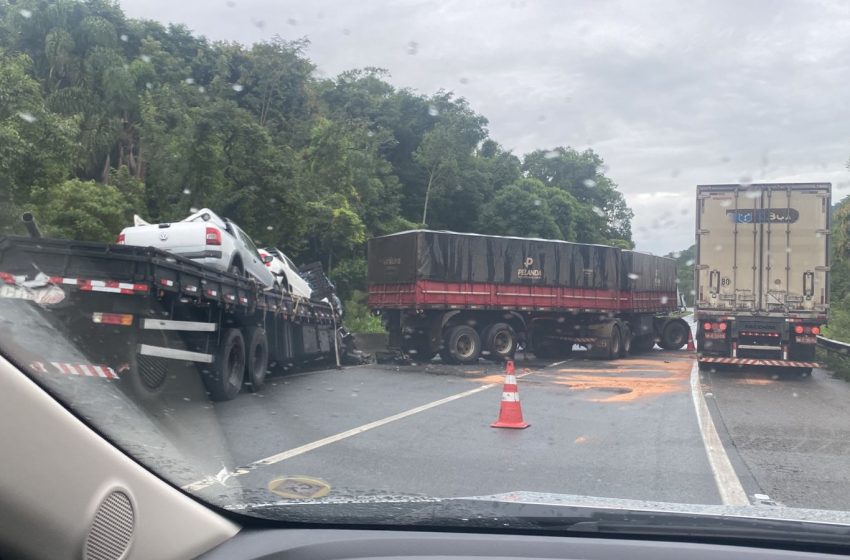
(357, 316)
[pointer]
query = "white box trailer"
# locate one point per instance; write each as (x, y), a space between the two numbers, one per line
(762, 272)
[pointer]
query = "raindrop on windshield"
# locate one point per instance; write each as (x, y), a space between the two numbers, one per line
(230, 4)
(259, 24)
(752, 195)
(27, 116)
(664, 300)
(537, 202)
(187, 191)
(292, 21)
(745, 181)
(269, 228)
(237, 87)
(464, 81)
(412, 48)
(346, 31)
(202, 89)
(551, 154)
(725, 203)
(193, 209)
(598, 211)
(433, 111)
(633, 276)
(148, 85)
(676, 254)
(689, 262)
(145, 58)
(788, 249)
(190, 81)
(718, 247)
(25, 13)
(124, 38)
(589, 183)
(693, 292)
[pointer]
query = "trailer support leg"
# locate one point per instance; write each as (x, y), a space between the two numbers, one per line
(336, 343)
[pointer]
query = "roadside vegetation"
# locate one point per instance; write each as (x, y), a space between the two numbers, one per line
(102, 116)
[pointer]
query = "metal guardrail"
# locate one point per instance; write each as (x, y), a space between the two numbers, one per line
(834, 346)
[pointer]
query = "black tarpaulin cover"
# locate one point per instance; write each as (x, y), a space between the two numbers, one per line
(447, 256)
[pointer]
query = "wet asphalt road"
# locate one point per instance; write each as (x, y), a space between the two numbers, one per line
(624, 429)
(787, 436)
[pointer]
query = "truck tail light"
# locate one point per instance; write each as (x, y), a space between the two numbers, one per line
(815, 330)
(798, 329)
(122, 319)
(213, 236)
(120, 240)
(722, 327)
(707, 326)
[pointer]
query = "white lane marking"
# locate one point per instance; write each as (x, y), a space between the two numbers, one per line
(730, 488)
(284, 455)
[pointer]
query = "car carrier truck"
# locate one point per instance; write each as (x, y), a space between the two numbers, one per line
(762, 273)
(465, 296)
(138, 312)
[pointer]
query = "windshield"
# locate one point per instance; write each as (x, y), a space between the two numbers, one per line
(588, 255)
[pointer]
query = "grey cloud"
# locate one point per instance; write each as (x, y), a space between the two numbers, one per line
(671, 94)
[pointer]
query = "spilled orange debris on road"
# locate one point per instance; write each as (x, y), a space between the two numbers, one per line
(628, 381)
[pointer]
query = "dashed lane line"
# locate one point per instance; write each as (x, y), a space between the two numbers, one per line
(225, 475)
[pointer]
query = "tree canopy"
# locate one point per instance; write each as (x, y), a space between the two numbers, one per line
(103, 116)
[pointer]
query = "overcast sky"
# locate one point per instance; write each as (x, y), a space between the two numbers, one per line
(671, 94)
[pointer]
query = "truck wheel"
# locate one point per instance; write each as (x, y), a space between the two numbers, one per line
(674, 336)
(224, 379)
(615, 342)
(146, 376)
(500, 341)
(626, 343)
(258, 358)
(462, 346)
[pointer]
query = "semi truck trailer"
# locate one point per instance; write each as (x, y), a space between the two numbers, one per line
(762, 273)
(465, 296)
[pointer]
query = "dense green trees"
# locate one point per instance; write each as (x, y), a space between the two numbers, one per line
(102, 117)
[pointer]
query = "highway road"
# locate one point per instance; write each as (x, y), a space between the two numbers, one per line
(634, 428)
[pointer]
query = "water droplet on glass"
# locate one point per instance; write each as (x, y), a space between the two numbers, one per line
(27, 116)
(725, 203)
(589, 183)
(190, 81)
(676, 254)
(124, 37)
(745, 181)
(292, 21)
(25, 13)
(693, 292)
(664, 300)
(346, 31)
(193, 209)
(230, 4)
(550, 154)
(187, 191)
(464, 81)
(689, 262)
(269, 228)
(145, 58)
(259, 24)
(412, 48)
(795, 395)
(148, 85)
(237, 87)
(598, 211)
(537, 202)
(753, 195)
(718, 247)
(433, 111)
(633, 276)
(788, 250)
(202, 89)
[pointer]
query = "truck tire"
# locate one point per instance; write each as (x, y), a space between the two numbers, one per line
(626, 342)
(674, 335)
(224, 380)
(500, 341)
(615, 343)
(462, 345)
(257, 351)
(146, 376)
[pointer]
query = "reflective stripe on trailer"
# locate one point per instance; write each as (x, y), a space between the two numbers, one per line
(83, 370)
(757, 362)
(107, 286)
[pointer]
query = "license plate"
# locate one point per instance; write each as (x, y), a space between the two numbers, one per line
(715, 335)
(807, 339)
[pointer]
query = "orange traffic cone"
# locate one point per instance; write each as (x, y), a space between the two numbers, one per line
(510, 413)
(691, 346)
